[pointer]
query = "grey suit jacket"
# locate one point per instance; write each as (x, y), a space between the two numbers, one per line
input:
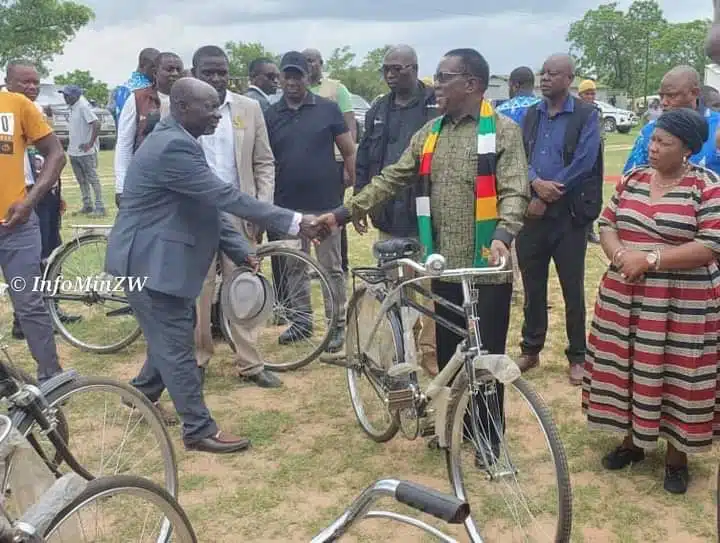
(258, 97)
(170, 222)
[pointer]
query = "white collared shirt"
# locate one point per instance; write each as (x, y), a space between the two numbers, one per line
(219, 147)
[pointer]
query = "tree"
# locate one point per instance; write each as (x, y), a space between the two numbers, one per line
(632, 51)
(364, 79)
(95, 90)
(37, 30)
(241, 54)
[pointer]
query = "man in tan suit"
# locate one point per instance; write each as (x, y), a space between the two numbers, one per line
(238, 152)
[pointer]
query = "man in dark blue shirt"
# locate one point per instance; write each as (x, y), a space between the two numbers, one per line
(562, 140)
(303, 129)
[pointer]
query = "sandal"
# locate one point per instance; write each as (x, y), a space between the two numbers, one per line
(622, 457)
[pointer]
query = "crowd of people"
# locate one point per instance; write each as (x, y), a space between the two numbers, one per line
(203, 173)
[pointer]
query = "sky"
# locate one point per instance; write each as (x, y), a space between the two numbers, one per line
(509, 33)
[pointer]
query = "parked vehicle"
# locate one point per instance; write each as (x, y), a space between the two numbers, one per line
(58, 114)
(614, 118)
(360, 108)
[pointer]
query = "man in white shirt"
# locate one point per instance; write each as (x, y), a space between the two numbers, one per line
(137, 114)
(238, 153)
(83, 149)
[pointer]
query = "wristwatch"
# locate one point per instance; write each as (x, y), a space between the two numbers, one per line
(652, 259)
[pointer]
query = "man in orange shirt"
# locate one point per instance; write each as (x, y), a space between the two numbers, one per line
(21, 124)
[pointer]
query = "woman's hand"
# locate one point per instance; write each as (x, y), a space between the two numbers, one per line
(633, 265)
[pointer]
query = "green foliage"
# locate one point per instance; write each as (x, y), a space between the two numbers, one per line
(364, 79)
(94, 89)
(37, 30)
(240, 55)
(621, 48)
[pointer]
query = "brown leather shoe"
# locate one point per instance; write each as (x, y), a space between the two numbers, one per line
(576, 374)
(528, 361)
(220, 443)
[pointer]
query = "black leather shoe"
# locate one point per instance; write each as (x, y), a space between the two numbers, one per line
(264, 379)
(676, 479)
(621, 457)
(337, 341)
(220, 443)
(294, 334)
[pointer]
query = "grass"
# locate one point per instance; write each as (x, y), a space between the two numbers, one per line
(309, 457)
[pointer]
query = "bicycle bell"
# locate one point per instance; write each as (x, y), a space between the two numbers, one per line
(435, 264)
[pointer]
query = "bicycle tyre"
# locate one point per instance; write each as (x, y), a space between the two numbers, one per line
(456, 411)
(104, 487)
(55, 271)
(24, 422)
(395, 324)
(268, 251)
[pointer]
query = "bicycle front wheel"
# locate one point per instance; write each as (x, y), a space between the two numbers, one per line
(506, 459)
(87, 306)
(113, 430)
(121, 508)
(304, 314)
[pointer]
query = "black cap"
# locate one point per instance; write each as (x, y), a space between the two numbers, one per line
(294, 60)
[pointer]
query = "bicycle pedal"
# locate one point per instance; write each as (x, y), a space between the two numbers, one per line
(401, 370)
(400, 399)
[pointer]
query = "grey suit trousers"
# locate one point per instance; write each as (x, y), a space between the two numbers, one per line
(168, 323)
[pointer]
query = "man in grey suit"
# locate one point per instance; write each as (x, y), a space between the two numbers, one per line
(168, 229)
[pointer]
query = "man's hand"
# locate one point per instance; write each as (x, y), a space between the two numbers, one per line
(536, 209)
(118, 195)
(18, 213)
(84, 147)
(360, 223)
(549, 191)
(314, 229)
(63, 206)
(498, 251)
(254, 262)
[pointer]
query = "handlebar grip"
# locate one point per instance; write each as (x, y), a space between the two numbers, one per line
(442, 506)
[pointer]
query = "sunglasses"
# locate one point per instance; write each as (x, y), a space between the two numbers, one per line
(446, 77)
(395, 68)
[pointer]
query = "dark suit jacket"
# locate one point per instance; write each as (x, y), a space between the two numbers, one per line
(170, 223)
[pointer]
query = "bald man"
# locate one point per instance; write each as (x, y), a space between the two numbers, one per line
(680, 88)
(168, 229)
(562, 143)
(141, 78)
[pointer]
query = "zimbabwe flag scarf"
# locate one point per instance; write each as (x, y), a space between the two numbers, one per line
(486, 216)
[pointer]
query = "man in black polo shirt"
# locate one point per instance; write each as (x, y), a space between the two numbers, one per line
(303, 128)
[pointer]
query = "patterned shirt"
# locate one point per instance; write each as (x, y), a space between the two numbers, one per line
(708, 157)
(452, 195)
(517, 107)
(137, 81)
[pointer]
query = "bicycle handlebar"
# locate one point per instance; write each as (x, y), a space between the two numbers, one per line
(435, 267)
(443, 506)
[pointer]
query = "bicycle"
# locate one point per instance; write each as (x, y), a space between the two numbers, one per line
(75, 274)
(138, 443)
(472, 378)
(293, 303)
(65, 510)
(447, 508)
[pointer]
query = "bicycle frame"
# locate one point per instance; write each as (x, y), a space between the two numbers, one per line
(438, 390)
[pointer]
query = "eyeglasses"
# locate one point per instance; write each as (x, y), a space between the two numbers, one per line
(445, 77)
(395, 68)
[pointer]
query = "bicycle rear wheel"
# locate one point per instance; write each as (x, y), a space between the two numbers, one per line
(513, 472)
(121, 508)
(314, 312)
(82, 302)
(367, 379)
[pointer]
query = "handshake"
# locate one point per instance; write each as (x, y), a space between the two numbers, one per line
(318, 228)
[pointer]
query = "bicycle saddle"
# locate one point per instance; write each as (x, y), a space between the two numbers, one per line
(392, 249)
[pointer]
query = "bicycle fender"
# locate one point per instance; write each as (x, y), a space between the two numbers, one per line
(17, 414)
(440, 404)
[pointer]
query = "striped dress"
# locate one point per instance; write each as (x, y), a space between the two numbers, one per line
(652, 360)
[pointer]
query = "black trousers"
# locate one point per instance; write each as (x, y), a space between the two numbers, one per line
(565, 243)
(493, 310)
(48, 212)
(344, 250)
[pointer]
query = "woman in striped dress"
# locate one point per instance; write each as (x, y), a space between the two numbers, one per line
(652, 365)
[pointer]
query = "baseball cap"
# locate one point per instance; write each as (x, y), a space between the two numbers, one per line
(71, 90)
(294, 60)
